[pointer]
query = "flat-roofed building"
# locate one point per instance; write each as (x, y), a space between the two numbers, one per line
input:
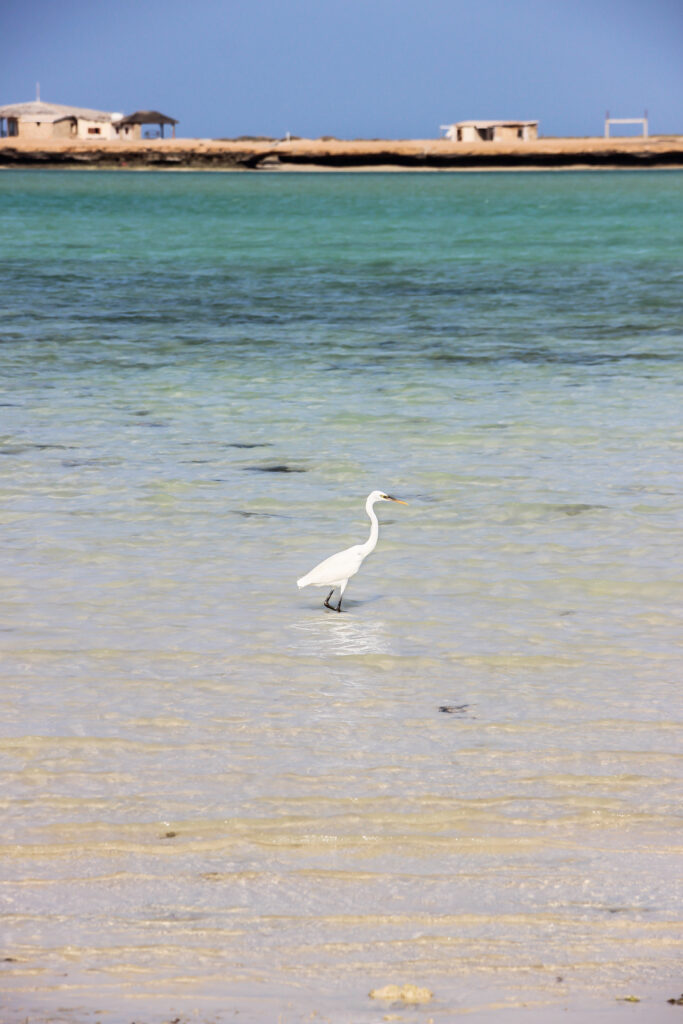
(38, 120)
(491, 131)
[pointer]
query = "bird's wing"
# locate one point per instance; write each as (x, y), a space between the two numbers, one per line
(335, 569)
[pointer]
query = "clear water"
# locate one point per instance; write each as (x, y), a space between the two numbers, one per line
(218, 796)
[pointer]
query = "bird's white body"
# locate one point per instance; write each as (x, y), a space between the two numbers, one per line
(337, 570)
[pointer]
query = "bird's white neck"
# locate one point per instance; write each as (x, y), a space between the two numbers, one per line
(371, 542)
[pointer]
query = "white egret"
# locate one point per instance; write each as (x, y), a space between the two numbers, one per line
(337, 570)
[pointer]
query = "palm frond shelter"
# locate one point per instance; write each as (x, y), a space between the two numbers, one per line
(130, 127)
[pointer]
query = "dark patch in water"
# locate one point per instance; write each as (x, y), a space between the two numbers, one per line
(543, 356)
(454, 709)
(17, 449)
(256, 515)
(256, 444)
(575, 510)
(273, 469)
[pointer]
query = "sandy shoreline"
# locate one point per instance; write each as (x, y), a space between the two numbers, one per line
(336, 154)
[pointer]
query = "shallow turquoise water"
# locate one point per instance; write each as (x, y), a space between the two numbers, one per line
(217, 795)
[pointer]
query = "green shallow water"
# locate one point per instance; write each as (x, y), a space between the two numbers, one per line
(215, 794)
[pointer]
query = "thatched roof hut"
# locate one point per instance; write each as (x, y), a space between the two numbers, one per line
(130, 125)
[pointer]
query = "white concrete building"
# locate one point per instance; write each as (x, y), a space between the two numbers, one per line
(491, 131)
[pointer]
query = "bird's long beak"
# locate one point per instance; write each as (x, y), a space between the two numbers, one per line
(398, 500)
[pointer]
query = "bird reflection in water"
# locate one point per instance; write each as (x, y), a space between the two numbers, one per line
(341, 636)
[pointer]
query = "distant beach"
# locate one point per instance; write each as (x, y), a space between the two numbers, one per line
(338, 154)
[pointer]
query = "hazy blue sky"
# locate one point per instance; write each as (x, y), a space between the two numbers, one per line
(351, 68)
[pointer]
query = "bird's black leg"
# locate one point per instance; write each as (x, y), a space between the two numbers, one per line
(326, 602)
(341, 594)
